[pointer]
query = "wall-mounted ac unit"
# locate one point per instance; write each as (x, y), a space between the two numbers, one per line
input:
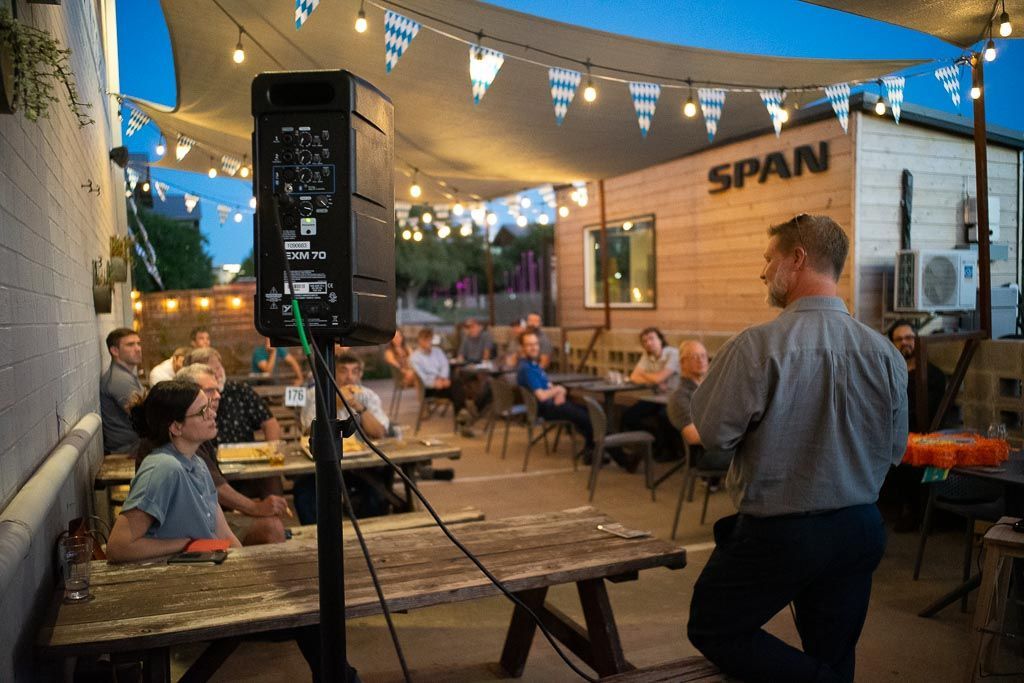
(936, 280)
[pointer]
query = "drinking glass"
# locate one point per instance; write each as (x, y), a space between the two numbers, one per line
(997, 430)
(75, 557)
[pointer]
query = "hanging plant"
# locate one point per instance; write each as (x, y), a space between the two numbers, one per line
(32, 63)
(120, 258)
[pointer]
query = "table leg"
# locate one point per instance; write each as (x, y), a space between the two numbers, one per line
(609, 408)
(410, 501)
(988, 600)
(951, 597)
(606, 648)
(520, 632)
(156, 665)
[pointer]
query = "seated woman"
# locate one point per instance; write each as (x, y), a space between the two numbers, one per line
(172, 499)
(396, 354)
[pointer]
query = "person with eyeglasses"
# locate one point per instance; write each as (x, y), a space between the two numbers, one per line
(814, 403)
(172, 499)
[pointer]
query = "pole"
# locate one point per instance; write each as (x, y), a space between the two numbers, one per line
(604, 258)
(328, 522)
(490, 275)
(981, 176)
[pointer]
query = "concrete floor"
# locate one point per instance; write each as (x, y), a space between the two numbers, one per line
(462, 642)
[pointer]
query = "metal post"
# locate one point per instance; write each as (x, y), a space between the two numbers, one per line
(604, 258)
(490, 274)
(981, 175)
(328, 522)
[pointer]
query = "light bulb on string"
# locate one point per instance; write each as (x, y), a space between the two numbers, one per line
(238, 216)
(361, 19)
(407, 234)
(783, 115)
(427, 217)
(244, 171)
(521, 221)
(478, 214)
(417, 236)
(880, 104)
(252, 202)
(212, 173)
(161, 148)
(583, 199)
(238, 56)
(458, 209)
(145, 186)
(975, 92)
(526, 202)
(492, 219)
(690, 108)
(543, 219)
(415, 190)
(1005, 28)
(443, 231)
(466, 230)
(589, 92)
(563, 211)
(990, 51)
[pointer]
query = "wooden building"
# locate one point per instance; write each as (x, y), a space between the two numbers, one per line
(687, 237)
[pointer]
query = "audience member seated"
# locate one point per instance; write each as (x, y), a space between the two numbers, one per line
(659, 366)
(534, 322)
(552, 399)
(433, 370)
(693, 368)
(240, 413)
(257, 520)
(165, 370)
(476, 345)
(119, 386)
(172, 499)
(396, 354)
(199, 337)
(266, 360)
(369, 410)
(510, 358)
(905, 480)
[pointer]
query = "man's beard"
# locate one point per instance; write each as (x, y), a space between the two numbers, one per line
(906, 351)
(778, 288)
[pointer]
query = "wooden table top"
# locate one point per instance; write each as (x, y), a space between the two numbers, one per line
(571, 378)
(601, 386)
(119, 469)
(660, 399)
(270, 587)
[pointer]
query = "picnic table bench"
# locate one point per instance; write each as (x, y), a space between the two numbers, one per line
(144, 609)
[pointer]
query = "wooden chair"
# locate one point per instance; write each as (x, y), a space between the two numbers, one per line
(396, 393)
(430, 404)
(505, 408)
(603, 440)
(692, 471)
(535, 421)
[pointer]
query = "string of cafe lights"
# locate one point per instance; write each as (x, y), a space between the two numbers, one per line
(236, 209)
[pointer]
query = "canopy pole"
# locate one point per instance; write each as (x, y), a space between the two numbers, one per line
(604, 258)
(981, 176)
(490, 274)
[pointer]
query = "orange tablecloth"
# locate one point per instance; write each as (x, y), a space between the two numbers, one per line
(954, 450)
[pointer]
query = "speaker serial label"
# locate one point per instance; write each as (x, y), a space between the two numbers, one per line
(296, 245)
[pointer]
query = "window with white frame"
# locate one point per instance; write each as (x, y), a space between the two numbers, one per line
(631, 272)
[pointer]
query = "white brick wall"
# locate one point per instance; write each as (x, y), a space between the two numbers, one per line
(51, 341)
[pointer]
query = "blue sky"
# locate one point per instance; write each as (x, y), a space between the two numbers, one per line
(779, 27)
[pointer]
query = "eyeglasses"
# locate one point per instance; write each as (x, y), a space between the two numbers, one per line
(212, 392)
(799, 232)
(203, 412)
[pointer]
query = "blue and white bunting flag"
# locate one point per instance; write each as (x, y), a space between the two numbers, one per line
(136, 120)
(564, 84)
(190, 202)
(303, 8)
(230, 164)
(161, 190)
(773, 102)
(894, 91)
(839, 96)
(949, 76)
(183, 147)
(483, 70)
(133, 178)
(222, 213)
(711, 102)
(645, 99)
(398, 33)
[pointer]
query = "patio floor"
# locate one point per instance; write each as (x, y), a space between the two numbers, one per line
(462, 642)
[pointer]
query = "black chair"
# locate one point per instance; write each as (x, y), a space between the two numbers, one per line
(535, 421)
(694, 469)
(603, 440)
(505, 408)
(430, 404)
(968, 497)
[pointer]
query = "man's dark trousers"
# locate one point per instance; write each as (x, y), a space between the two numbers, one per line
(822, 563)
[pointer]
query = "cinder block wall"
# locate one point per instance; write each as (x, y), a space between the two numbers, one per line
(51, 353)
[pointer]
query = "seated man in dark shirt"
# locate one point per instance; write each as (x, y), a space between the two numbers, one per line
(693, 368)
(552, 400)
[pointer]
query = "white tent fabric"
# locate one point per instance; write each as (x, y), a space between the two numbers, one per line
(507, 142)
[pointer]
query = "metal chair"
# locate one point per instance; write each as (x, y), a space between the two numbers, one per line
(968, 497)
(429, 404)
(692, 471)
(534, 420)
(603, 440)
(505, 408)
(396, 393)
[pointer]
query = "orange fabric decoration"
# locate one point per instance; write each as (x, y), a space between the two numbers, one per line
(964, 449)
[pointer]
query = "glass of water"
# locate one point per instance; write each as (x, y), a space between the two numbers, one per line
(75, 557)
(997, 430)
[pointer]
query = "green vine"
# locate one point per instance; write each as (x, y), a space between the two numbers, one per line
(39, 65)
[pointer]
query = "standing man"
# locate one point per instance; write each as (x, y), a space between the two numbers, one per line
(815, 405)
(534, 322)
(119, 385)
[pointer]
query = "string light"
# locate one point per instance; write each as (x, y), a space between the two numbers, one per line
(244, 171)
(782, 113)
(417, 236)
(492, 219)
(521, 221)
(135, 294)
(689, 109)
(161, 148)
(975, 92)
(145, 186)
(443, 231)
(1005, 28)
(407, 234)
(171, 304)
(238, 216)
(212, 173)
(361, 19)
(880, 104)
(990, 51)
(138, 306)
(236, 302)
(252, 202)
(589, 92)
(427, 217)
(415, 190)
(204, 302)
(458, 209)
(526, 202)
(238, 56)
(543, 219)
(466, 230)
(563, 211)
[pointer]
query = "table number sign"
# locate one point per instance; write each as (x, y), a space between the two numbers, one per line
(295, 397)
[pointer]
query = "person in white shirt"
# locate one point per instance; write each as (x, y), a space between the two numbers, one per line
(364, 401)
(166, 370)
(433, 369)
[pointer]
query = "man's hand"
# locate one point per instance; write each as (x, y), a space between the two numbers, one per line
(352, 395)
(441, 383)
(560, 394)
(272, 506)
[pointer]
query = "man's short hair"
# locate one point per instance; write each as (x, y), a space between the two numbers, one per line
(689, 342)
(349, 359)
(647, 330)
(195, 371)
(115, 337)
(823, 239)
(900, 323)
(471, 321)
(425, 332)
(196, 330)
(526, 333)
(201, 355)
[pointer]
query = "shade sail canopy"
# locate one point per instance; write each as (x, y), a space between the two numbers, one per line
(510, 140)
(960, 22)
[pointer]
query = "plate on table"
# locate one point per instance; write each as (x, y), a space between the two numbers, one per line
(229, 453)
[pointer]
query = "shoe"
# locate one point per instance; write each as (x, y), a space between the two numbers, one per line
(443, 474)
(467, 432)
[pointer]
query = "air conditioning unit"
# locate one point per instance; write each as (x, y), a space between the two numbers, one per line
(936, 280)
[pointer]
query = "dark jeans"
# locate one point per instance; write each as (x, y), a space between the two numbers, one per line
(572, 412)
(645, 416)
(822, 563)
(366, 500)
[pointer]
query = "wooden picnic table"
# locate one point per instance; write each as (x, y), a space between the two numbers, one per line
(119, 469)
(144, 609)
